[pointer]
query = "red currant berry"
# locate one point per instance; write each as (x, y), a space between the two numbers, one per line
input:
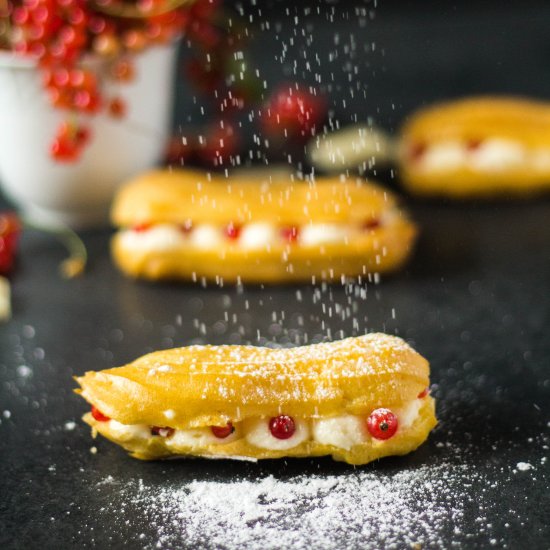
(98, 415)
(424, 393)
(10, 228)
(232, 231)
(290, 233)
(382, 424)
(123, 70)
(473, 144)
(162, 431)
(221, 432)
(282, 426)
(117, 107)
(416, 151)
(292, 112)
(186, 227)
(371, 224)
(220, 142)
(141, 227)
(64, 151)
(179, 150)
(69, 141)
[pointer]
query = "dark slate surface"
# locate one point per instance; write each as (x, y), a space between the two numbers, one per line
(475, 300)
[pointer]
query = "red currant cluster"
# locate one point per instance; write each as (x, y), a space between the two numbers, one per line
(61, 35)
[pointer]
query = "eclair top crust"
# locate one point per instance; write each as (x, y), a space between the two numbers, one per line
(211, 385)
(164, 196)
(477, 118)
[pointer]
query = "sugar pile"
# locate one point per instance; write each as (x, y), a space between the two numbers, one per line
(422, 507)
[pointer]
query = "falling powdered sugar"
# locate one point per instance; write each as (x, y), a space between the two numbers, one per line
(420, 507)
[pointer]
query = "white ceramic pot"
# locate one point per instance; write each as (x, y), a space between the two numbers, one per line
(79, 194)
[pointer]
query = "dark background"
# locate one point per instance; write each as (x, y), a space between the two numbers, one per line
(475, 300)
(386, 61)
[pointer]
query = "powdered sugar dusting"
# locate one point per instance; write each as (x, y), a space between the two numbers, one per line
(357, 508)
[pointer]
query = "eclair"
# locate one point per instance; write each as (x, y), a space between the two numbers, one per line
(189, 225)
(357, 399)
(477, 147)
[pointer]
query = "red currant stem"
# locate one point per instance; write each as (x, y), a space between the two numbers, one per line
(74, 265)
(131, 11)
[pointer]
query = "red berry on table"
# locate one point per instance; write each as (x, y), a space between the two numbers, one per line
(221, 432)
(220, 142)
(282, 426)
(206, 75)
(232, 231)
(98, 415)
(10, 227)
(292, 112)
(162, 431)
(179, 150)
(382, 424)
(290, 233)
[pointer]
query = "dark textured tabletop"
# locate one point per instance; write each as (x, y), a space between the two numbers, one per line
(475, 300)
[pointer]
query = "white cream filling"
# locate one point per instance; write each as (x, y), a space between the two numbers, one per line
(124, 432)
(206, 236)
(347, 430)
(407, 414)
(491, 155)
(199, 437)
(444, 156)
(316, 234)
(257, 433)
(343, 431)
(258, 235)
(157, 237)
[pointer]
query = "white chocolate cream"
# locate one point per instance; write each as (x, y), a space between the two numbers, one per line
(490, 155)
(317, 234)
(258, 235)
(124, 432)
(200, 437)
(409, 413)
(257, 433)
(158, 237)
(252, 236)
(206, 236)
(343, 431)
(494, 155)
(444, 156)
